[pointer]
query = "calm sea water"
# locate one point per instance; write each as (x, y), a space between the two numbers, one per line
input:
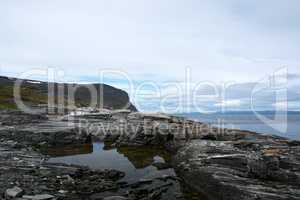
(289, 128)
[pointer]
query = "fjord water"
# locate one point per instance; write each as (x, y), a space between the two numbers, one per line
(251, 121)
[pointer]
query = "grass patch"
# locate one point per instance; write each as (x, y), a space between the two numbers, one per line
(28, 95)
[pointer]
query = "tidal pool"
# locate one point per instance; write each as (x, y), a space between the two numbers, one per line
(137, 163)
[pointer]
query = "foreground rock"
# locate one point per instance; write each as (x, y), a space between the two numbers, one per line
(242, 170)
(221, 163)
(25, 173)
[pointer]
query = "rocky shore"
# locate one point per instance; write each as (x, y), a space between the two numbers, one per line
(220, 163)
(26, 174)
(244, 169)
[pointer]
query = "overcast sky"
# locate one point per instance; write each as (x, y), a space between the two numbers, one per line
(240, 41)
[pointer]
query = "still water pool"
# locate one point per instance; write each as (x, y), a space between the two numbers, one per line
(137, 163)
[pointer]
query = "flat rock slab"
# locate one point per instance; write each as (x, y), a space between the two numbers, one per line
(115, 198)
(38, 197)
(241, 170)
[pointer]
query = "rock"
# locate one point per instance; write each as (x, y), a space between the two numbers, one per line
(160, 116)
(14, 192)
(120, 114)
(145, 181)
(39, 197)
(115, 198)
(227, 165)
(13, 117)
(115, 175)
(161, 166)
(47, 133)
(62, 191)
(67, 180)
(220, 169)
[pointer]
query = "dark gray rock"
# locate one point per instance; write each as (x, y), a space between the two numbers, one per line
(223, 164)
(115, 198)
(46, 133)
(244, 170)
(161, 165)
(16, 118)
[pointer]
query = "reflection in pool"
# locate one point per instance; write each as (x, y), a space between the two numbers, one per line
(135, 162)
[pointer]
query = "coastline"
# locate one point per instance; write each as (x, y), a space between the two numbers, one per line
(248, 156)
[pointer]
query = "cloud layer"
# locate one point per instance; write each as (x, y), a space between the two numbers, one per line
(233, 41)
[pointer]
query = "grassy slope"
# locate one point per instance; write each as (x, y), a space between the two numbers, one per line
(28, 94)
(34, 94)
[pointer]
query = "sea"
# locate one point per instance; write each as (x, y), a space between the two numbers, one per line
(285, 124)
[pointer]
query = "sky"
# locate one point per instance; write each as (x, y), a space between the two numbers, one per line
(169, 55)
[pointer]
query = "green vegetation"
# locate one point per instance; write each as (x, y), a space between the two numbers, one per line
(6, 97)
(33, 94)
(28, 94)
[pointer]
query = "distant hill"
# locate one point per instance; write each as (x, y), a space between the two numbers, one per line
(35, 93)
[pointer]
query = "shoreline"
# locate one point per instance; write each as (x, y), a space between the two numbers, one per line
(249, 156)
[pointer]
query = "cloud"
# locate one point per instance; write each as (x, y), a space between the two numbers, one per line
(236, 42)
(287, 105)
(214, 39)
(293, 76)
(282, 105)
(229, 103)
